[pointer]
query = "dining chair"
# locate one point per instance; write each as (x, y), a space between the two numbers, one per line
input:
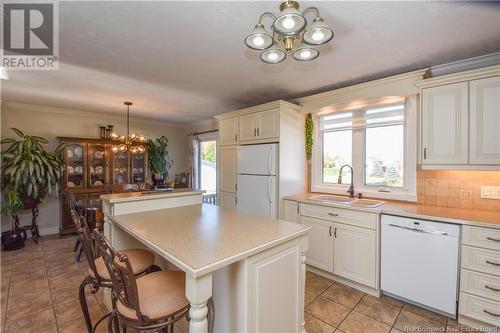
(152, 302)
(142, 263)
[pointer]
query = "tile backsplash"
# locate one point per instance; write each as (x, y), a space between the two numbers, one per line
(456, 188)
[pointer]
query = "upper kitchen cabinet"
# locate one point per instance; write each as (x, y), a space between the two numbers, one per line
(444, 124)
(460, 119)
(260, 126)
(485, 121)
(228, 131)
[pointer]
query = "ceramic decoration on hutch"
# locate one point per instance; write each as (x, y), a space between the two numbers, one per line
(129, 141)
(289, 27)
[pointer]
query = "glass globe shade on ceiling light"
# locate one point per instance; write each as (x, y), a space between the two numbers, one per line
(259, 39)
(318, 33)
(273, 56)
(305, 53)
(289, 22)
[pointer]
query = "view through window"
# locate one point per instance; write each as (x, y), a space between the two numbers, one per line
(208, 170)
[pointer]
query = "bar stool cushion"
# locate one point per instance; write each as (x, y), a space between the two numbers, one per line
(140, 260)
(160, 294)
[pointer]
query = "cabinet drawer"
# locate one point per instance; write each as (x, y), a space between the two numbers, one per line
(479, 308)
(480, 284)
(347, 216)
(481, 260)
(481, 237)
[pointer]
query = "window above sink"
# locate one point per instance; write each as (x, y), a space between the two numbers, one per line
(380, 143)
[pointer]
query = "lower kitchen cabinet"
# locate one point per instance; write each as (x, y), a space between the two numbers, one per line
(291, 211)
(354, 255)
(320, 253)
(227, 200)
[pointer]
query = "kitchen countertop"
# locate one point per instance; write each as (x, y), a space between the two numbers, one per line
(137, 196)
(202, 238)
(413, 210)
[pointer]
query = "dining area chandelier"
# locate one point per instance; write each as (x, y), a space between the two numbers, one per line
(291, 34)
(130, 142)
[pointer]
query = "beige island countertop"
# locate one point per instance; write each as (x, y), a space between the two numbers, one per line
(148, 195)
(413, 210)
(202, 238)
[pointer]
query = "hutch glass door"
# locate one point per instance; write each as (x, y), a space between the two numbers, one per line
(138, 161)
(75, 167)
(120, 167)
(97, 165)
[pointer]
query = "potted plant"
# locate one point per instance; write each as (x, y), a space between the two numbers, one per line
(29, 170)
(159, 161)
(12, 206)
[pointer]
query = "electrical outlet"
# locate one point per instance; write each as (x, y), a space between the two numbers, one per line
(490, 192)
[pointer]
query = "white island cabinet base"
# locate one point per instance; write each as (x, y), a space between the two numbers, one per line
(252, 267)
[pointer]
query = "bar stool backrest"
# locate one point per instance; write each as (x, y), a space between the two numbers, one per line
(122, 275)
(87, 241)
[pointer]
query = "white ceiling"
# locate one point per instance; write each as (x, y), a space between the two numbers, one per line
(186, 61)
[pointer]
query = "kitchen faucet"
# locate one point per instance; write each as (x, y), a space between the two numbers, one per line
(351, 188)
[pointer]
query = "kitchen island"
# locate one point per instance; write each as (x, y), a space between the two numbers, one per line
(253, 267)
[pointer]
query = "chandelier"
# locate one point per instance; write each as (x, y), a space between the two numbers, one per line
(130, 142)
(289, 29)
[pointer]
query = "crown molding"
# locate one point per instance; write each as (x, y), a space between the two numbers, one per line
(472, 74)
(487, 60)
(414, 75)
(257, 108)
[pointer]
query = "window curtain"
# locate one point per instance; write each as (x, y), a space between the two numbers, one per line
(193, 163)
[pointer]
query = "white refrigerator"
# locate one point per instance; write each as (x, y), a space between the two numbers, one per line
(257, 186)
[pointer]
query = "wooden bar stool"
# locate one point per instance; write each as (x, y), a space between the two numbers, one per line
(151, 302)
(142, 263)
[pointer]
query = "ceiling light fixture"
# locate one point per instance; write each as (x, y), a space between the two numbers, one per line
(289, 27)
(131, 142)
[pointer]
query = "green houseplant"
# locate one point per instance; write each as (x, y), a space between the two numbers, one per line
(29, 170)
(12, 205)
(159, 161)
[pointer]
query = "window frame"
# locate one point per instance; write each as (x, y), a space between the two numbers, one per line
(406, 193)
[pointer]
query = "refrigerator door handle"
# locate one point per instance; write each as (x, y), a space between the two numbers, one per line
(269, 161)
(269, 189)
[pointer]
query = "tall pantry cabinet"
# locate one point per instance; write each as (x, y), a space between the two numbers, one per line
(275, 122)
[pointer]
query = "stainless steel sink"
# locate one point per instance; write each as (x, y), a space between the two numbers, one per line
(326, 198)
(367, 203)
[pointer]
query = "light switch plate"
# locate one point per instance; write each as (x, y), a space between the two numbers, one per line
(490, 192)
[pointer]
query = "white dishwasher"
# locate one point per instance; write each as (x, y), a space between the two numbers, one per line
(419, 262)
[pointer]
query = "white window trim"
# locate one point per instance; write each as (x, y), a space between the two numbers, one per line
(408, 193)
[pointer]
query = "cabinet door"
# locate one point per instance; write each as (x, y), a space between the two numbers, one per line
(291, 211)
(248, 127)
(120, 167)
(227, 200)
(485, 121)
(445, 124)
(76, 158)
(227, 169)
(228, 131)
(138, 167)
(97, 165)
(268, 124)
(320, 253)
(355, 254)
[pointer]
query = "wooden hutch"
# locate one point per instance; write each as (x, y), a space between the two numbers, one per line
(91, 164)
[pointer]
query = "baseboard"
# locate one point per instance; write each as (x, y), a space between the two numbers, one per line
(45, 231)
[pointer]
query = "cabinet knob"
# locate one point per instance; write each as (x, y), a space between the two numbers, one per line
(330, 231)
(333, 214)
(254, 132)
(258, 132)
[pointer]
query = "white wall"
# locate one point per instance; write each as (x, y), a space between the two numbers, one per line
(50, 122)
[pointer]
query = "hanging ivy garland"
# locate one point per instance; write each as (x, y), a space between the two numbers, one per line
(309, 136)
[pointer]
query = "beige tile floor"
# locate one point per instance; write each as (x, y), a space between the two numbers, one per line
(333, 307)
(39, 293)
